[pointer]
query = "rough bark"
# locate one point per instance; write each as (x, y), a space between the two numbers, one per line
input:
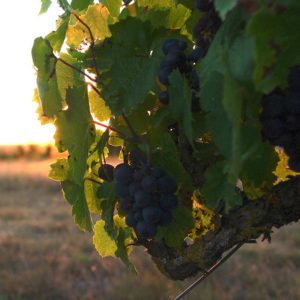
(249, 222)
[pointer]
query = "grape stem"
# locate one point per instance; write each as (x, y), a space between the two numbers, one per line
(207, 273)
(122, 135)
(74, 68)
(92, 180)
(134, 134)
(92, 40)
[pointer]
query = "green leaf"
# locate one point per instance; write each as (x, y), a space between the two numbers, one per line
(57, 38)
(81, 4)
(98, 107)
(59, 170)
(223, 7)
(182, 223)
(114, 7)
(277, 44)
(45, 5)
(75, 195)
(180, 103)
(104, 243)
(129, 59)
(156, 3)
(68, 77)
(218, 188)
(96, 17)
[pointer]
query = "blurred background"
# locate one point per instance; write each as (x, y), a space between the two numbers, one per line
(43, 255)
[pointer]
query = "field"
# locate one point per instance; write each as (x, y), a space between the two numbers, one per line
(43, 255)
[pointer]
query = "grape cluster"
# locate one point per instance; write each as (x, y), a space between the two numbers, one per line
(146, 195)
(175, 58)
(208, 24)
(280, 119)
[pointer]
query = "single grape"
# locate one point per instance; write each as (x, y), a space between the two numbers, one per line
(152, 214)
(272, 128)
(149, 183)
(294, 79)
(126, 204)
(166, 218)
(292, 103)
(158, 172)
(284, 140)
(123, 173)
(167, 185)
(136, 157)
(168, 202)
(145, 230)
(130, 220)
(195, 102)
(292, 122)
(142, 199)
(163, 75)
(164, 97)
(197, 54)
(138, 175)
(273, 105)
(173, 44)
(122, 190)
(106, 172)
(134, 187)
(294, 163)
(138, 215)
(204, 5)
(174, 58)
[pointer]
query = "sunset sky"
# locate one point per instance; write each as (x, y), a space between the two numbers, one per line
(20, 24)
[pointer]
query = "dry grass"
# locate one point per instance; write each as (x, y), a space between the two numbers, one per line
(43, 255)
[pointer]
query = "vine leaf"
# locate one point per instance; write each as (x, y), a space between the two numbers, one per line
(96, 17)
(59, 170)
(223, 7)
(81, 4)
(114, 7)
(277, 44)
(45, 6)
(128, 57)
(98, 107)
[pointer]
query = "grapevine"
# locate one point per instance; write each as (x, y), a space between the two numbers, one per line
(201, 100)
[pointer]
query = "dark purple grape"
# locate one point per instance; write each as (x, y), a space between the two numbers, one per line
(291, 150)
(164, 97)
(158, 172)
(204, 5)
(163, 75)
(294, 163)
(197, 54)
(149, 183)
(138, 175)
(138, 215)
(136, 157)
(166, 218)
(126, 2)
(297, 140)
(195, 102)
(130, 220)
(134, 187)
(273, 105)
(145, 230)
(292, 122)
(122, 190)
(126, 204)
(168, 202)
(185, 67)
(272, 128)
(152, 214)
(142, 199)
(106, 172)
(294, 79)
(173, 44)
(123, 173)
(293, 103)
(284, 140)
(167, 185)
(175, 58)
